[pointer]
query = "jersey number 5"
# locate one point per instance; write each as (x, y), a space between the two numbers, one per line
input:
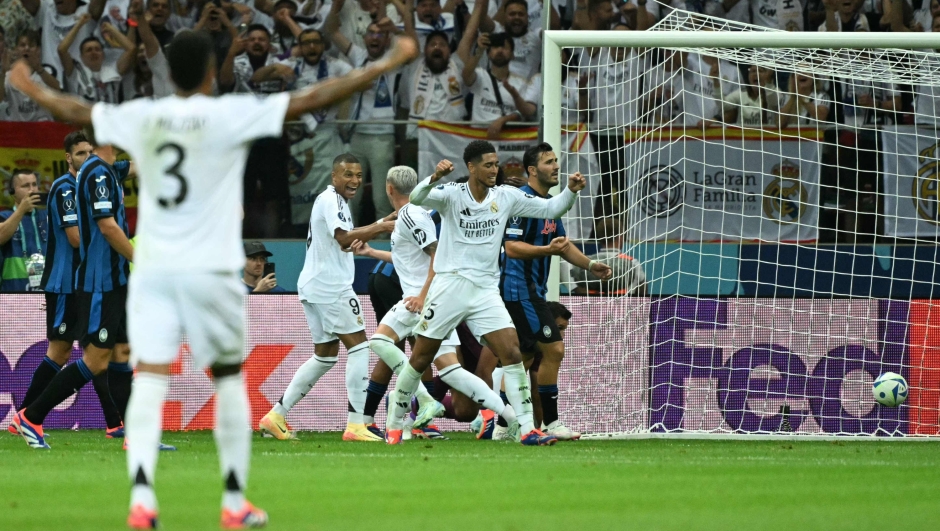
(174, 171)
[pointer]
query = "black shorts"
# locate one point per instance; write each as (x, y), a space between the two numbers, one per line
(62, 317)
(384, 292)
(103, 317)
(534, 323)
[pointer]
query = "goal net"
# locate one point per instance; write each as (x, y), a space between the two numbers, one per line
(769, 203)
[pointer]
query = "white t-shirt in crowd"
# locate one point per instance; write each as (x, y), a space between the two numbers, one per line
(432, 96)
(817, 98)
(472, 233)
(101, 86)
(526, 52)
(422, 29)
(328, 270)
(751, 111)
(191, 155)
(778, 14)
(54, 28)
(613, 90)
(486, 106)
(376, 102)
(20, 108)
(307, 75)
(414, 231)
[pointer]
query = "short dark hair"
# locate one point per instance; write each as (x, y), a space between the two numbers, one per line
(558, 310)
(189, 56)
(500, 39)
(533, 154)
(435, 34)
(308, 31)
(522, 3)
(475, 150)
(86, 40)
(32, 36)
(17, 172)
(89, 133)
(258, 27)
(345, 158)
(74, 138)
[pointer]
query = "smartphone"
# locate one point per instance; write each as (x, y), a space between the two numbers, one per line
(43, 199)
(268, 269)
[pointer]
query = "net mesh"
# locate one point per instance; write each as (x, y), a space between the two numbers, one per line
(771, 218)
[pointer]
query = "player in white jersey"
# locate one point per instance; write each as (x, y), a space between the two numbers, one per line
(414, 244)
(191, 149)
(332, 308)
(466, 282)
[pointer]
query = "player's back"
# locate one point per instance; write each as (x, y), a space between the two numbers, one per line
(414, 230)
(191, 154)
(61, 258)
(100, 195)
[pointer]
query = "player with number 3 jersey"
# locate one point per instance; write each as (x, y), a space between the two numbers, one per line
(191, 149)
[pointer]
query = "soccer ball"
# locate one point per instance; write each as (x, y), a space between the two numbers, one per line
(890, 389)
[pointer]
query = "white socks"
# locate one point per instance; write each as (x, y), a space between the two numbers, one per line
(519, 395)
(400, 399)
(357, 381)
(385, 349)
(304, 380)
(472, 386)
(497, 379)
(144, 425)
(233, 437)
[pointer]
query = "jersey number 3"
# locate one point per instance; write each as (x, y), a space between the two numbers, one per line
(174, 172)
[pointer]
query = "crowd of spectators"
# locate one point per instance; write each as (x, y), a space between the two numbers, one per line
(481, 62)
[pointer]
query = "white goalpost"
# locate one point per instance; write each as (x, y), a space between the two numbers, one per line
(770, 204)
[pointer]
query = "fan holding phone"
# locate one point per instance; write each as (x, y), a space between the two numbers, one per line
(23, 234)
(259, 273)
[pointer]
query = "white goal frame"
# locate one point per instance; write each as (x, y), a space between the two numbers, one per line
(554, 40)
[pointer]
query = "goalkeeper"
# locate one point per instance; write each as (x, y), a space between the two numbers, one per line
(529, 245)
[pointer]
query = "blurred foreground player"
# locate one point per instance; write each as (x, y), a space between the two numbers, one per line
(466, 281)
(192, 150)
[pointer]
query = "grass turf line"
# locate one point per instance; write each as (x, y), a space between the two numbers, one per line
(322, 483)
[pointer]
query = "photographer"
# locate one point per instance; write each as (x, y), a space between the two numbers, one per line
(22, 235)
(256, 279)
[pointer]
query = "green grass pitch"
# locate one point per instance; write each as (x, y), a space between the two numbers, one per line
(322, 483)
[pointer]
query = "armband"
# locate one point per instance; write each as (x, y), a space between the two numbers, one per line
(591, 264)
(132, 23)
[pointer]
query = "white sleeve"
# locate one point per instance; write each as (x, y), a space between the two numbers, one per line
(420, 228)
(429, 195)
(333, 215)
(357, 55)
(162, 86)
(249, 117)
(120, 124)
(533, 91)
(529, 206)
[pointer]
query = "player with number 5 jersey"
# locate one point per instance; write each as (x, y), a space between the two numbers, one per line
(191, 149)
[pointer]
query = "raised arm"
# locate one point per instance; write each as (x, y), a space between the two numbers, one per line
(406, 10)
(464, 49)
(63, 107)
(151, 44)
(330, 91)
(536, 207)
(423, 194)
(331, 28)
(227, 71)
(96, 9)
(129, 57)
(68, 64)
(469, 72)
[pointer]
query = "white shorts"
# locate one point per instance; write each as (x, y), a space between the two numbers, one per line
(403, 323)
(453, 299)
(327, 319)
(208, 307)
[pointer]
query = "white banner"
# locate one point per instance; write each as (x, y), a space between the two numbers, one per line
(911, 181)
(437, 141)
(725, 185)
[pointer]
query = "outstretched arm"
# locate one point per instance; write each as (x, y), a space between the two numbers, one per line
(330, 91)
(64, 107)
(421, 195)
(68, 64)
(536, 207)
